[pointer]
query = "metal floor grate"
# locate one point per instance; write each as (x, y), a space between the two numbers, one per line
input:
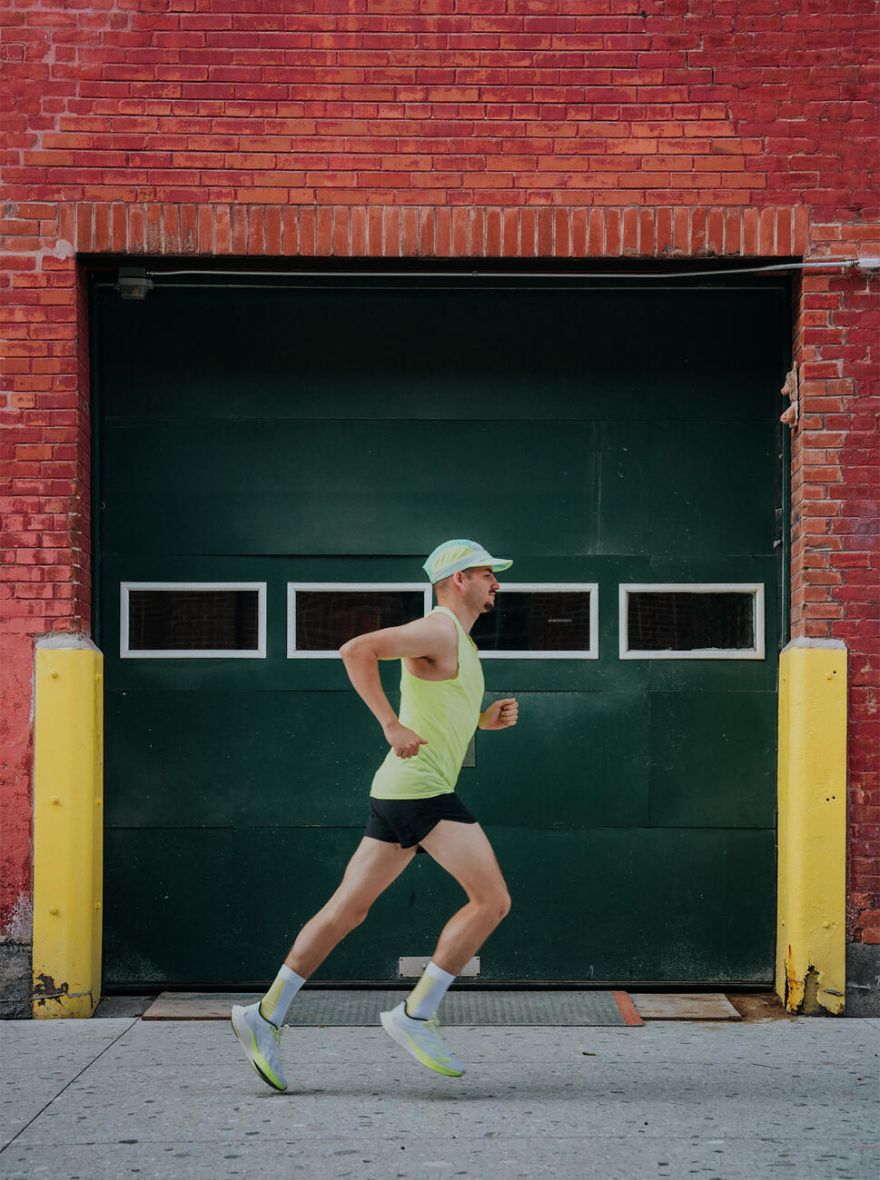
(361, 1008)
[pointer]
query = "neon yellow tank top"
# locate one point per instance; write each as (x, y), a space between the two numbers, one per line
(445, 713)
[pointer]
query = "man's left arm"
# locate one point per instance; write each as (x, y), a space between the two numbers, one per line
(500, 714)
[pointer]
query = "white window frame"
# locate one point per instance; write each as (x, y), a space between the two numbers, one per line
(293, 653)
(126, 653)
(591, 653)
(756, 589)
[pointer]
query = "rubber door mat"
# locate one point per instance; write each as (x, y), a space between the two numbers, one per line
(361, 1008)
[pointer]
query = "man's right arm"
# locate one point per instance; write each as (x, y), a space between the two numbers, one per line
(423, 638)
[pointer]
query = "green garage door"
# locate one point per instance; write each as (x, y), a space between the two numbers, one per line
(618, 439)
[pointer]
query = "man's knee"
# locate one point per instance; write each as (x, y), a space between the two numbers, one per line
(504, 904)
(496, 904)
(348, 915)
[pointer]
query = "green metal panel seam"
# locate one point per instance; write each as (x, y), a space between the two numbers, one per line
(785, 338)
(95, 465)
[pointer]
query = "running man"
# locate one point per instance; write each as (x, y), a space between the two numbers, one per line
(413, 807)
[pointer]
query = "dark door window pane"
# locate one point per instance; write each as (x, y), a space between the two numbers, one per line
(690, 621)
(193, 620)
(325, 619)
(536, 620)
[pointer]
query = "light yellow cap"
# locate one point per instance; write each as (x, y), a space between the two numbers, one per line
(451, 556)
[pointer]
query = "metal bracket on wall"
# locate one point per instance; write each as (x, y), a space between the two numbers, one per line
(790, 390)
(132, 283)
(413, 966)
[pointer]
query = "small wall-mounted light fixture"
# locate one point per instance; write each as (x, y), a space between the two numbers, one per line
(133, 283)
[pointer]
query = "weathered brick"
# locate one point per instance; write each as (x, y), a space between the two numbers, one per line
(545, 132)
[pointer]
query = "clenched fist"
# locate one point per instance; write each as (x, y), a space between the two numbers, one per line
(404, 742)
(500, 714)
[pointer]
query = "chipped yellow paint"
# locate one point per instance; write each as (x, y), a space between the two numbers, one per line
(793, 993)
(810, 929)
(68, 828)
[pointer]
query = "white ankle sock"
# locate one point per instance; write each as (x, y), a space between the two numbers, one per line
(424, 999)
(279, 997)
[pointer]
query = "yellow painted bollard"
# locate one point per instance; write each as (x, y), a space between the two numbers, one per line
(68, 827)
(811, 907)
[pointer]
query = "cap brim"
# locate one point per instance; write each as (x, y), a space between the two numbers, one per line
(495, 564)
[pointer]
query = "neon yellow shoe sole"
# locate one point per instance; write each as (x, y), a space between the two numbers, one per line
(422, 1041)
(258, 1055)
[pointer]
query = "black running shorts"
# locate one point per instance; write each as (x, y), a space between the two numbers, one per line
(407, 821)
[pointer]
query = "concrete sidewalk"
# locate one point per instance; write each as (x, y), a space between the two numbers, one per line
(124, 1097)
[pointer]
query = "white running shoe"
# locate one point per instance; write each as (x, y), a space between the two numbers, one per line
(260, 1040)
(421, 1039)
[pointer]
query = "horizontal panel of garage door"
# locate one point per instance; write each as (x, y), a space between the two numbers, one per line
(370, 488)
(594, 758)
(343, 354)
(606, 904)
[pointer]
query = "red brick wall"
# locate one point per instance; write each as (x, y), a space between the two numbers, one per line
(835, 551)
(436, 128)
